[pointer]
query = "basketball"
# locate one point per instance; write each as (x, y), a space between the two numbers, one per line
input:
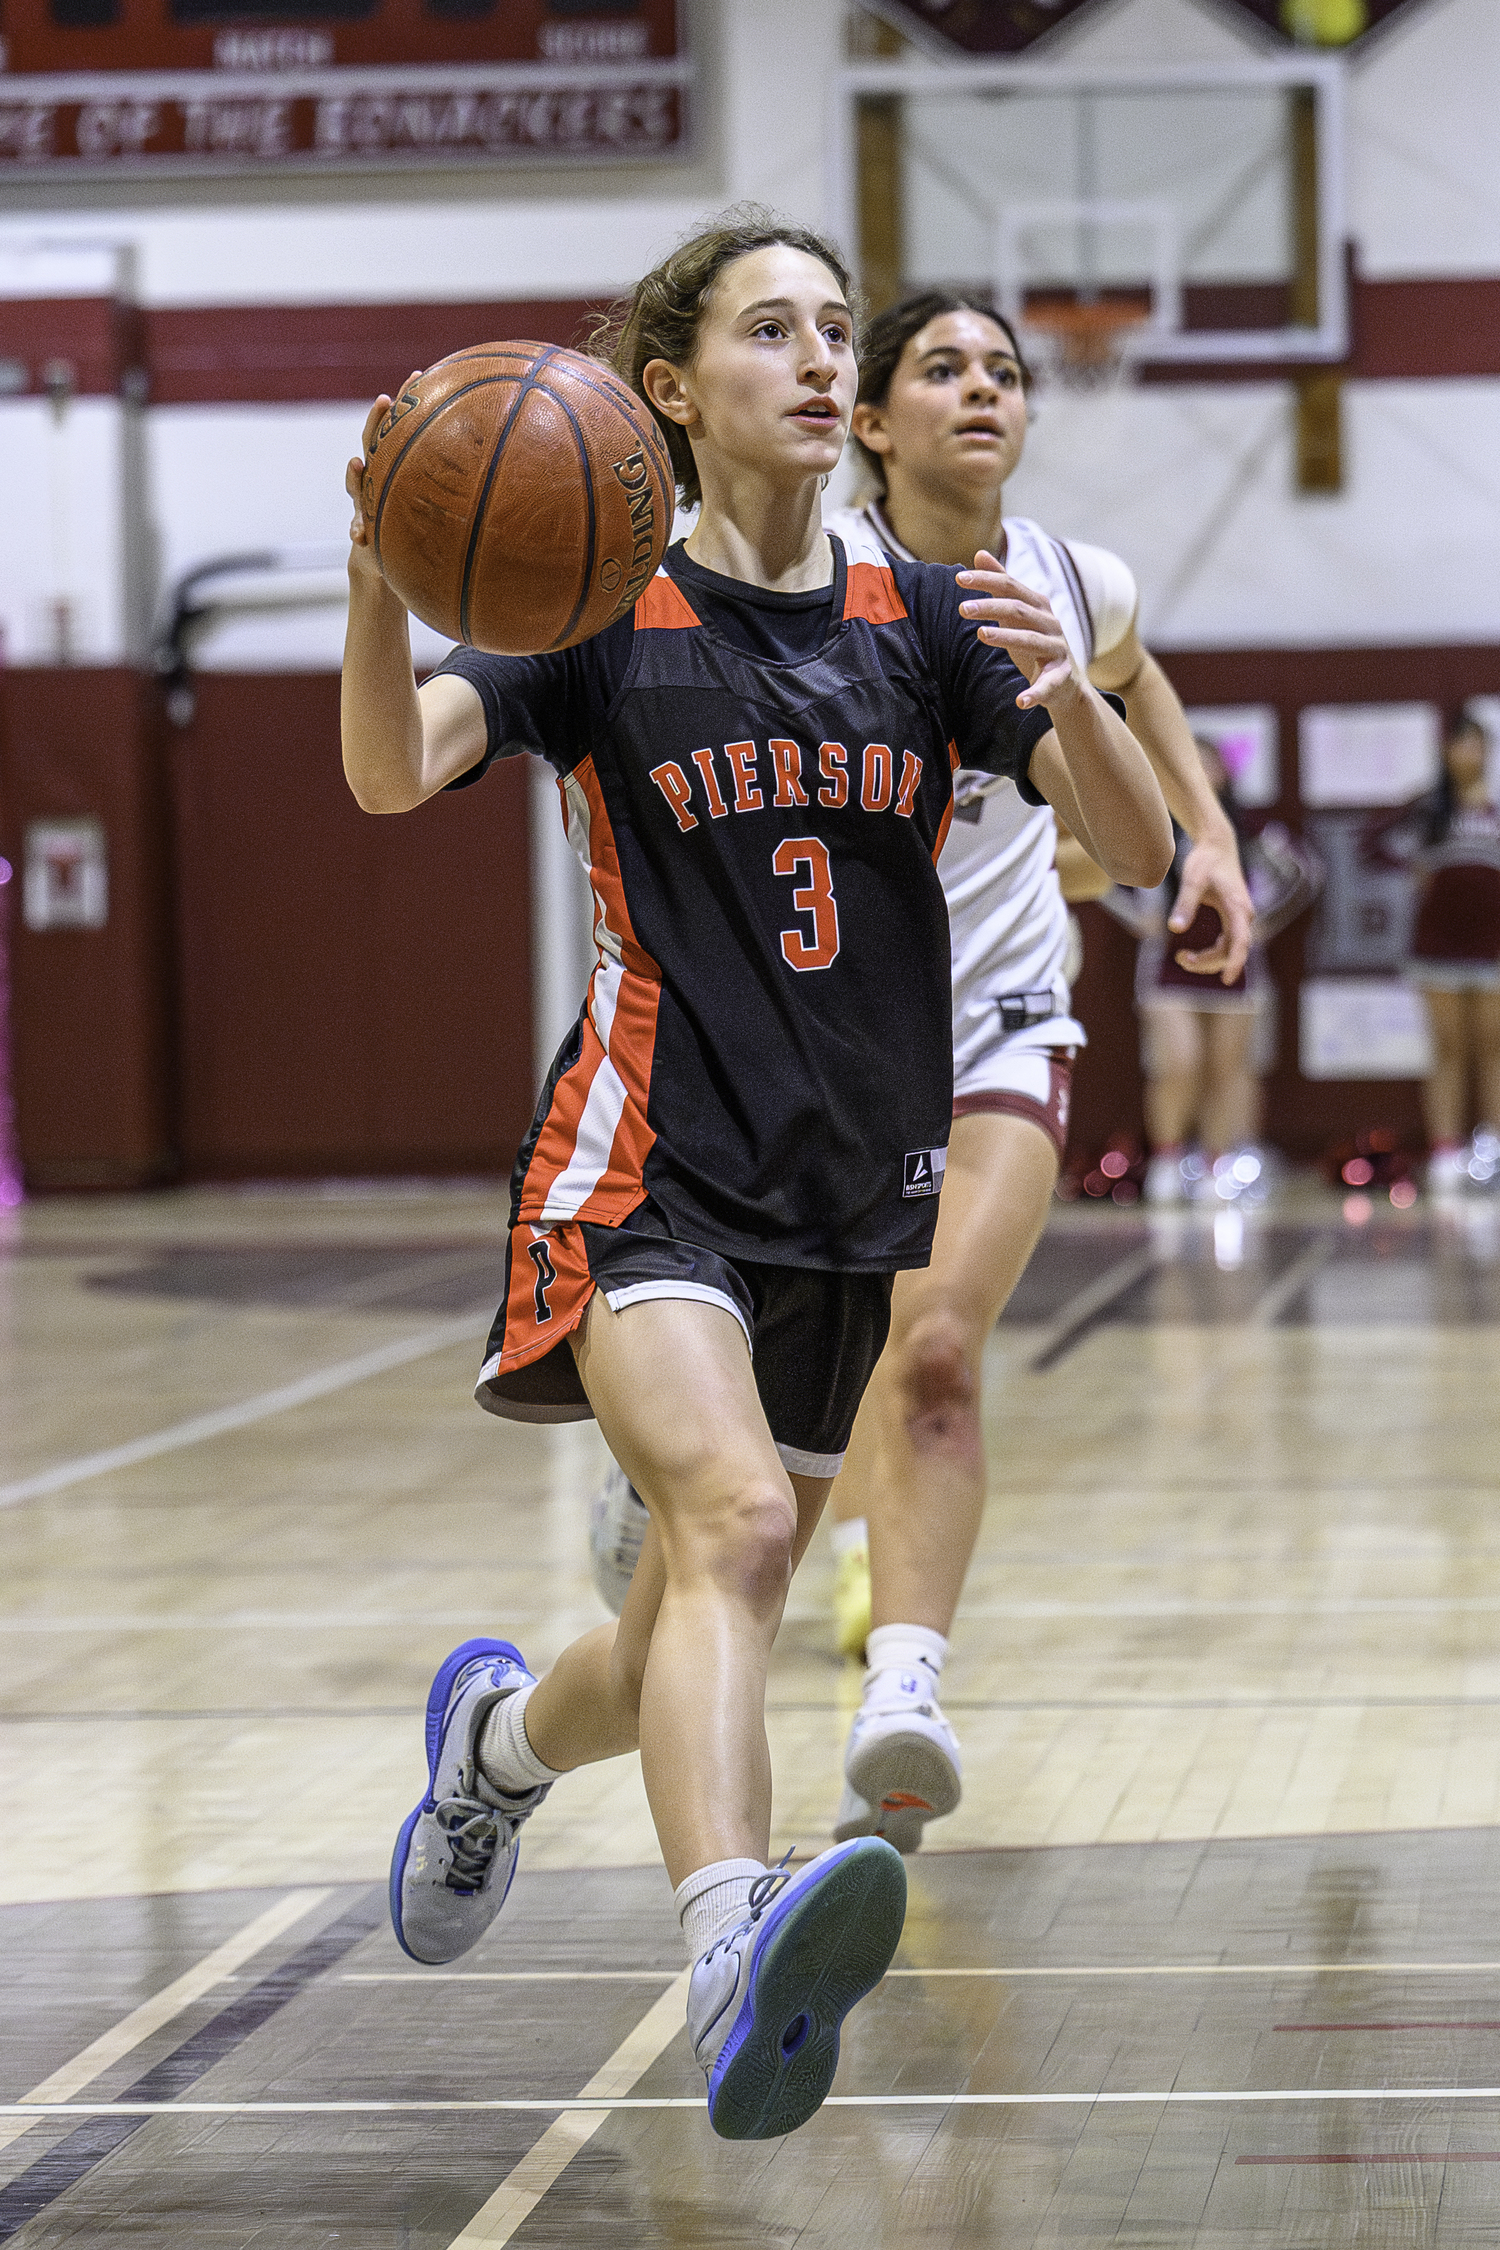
(519, 497)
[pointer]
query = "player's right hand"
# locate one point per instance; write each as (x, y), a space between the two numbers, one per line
(362, 562)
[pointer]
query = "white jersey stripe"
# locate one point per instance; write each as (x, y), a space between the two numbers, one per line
(592, 1144)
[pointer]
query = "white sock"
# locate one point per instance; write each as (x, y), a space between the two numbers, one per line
(505, 1757)
(911, 1650)
(714, 1901)
(849, 1538)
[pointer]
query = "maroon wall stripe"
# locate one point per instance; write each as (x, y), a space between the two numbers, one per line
(227, 355)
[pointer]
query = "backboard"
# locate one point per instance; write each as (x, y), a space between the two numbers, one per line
(1206, 201)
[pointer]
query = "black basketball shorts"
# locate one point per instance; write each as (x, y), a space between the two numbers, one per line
(814, 1337)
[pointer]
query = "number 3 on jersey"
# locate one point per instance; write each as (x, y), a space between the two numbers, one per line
(792, 856)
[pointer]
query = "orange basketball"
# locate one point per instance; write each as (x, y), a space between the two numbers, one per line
(519, 497)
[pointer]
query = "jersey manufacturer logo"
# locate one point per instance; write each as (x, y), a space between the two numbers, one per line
(923, 1169)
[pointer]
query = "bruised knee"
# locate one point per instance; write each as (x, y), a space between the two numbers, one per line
(938, 1383)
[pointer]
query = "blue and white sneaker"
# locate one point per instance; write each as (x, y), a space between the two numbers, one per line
(456, 1854)
(765, 2003)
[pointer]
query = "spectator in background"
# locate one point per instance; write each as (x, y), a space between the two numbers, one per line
(1204, 1044)
(1451, 841)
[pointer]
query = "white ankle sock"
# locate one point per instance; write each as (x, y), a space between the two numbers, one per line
(713, 1901)
(505, 1757)
(911, 1649)
(849, 1538)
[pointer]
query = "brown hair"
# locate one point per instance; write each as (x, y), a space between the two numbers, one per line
(886, 339)
(661, 317)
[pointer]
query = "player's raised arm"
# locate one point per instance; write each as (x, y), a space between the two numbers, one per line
(400, 746)
(1090, 767)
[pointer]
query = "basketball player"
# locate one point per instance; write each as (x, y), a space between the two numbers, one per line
(941, 422)
(742, 1138)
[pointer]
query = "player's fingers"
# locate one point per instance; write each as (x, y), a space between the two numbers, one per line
(1239, 928)
(1189, 897)
(1046, 683)
(1047, 648)
(1210, 961)
(373, 420)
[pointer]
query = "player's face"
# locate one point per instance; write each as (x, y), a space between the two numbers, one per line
(955, 417)
(773, 377)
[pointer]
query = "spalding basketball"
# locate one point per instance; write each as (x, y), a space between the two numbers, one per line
(519, 497)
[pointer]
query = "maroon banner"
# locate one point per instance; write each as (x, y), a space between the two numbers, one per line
(234, 129)
(88, 36)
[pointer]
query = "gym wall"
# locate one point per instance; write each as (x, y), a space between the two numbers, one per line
(225, 349)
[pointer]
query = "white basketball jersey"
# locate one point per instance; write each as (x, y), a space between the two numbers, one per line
(1006, 912)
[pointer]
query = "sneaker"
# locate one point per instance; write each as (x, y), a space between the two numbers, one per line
(1447, 1173)
(617, 1526)
(902, 1767)
(456, 1854)
(765, 2003)
(1164, 1181)
(851, 1600)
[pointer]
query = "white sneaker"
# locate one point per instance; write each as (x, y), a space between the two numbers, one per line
(1164, 1181)
(765, 2003)
(902, 1767)
(1448, 1173)
(617, 1526)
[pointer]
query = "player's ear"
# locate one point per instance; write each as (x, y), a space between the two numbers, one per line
(664, 389)
(868, 424)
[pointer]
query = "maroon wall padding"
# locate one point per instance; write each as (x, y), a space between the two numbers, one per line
(355, 991)
(218, 354)
(1303, 1116)
(90, 1008)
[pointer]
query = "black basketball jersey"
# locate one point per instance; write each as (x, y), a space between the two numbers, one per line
(765, 1049)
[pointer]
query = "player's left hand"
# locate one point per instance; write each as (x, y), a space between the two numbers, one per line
(1212, 876)
(1021, 621)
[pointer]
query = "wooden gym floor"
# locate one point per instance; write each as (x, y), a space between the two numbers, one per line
(1208, 1955)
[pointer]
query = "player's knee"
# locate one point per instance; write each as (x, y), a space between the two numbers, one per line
(939, 1380)
(749, 1544)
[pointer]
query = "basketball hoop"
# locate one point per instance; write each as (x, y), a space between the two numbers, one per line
(1083, 344)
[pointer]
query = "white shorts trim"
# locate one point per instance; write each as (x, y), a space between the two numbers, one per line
(697, 1292)
(810, 1464)
(512, 1410)
(1021, 1063)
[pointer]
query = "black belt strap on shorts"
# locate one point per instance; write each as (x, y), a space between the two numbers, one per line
(1019, 1010)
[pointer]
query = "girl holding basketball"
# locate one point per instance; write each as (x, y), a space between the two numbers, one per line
(741, 1141)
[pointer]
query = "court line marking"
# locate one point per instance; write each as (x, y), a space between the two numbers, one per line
(514, 2199)
(1403, 2156)
(577, 2122)
(111, 2046)
(1086, 1969)
(338, 1620)
(1067, 1326)
(1269, 1307)
(200, 1427)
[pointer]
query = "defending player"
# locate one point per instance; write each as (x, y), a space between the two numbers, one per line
(740, 1141)
(941, 422)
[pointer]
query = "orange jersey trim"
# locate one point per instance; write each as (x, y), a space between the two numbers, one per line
(947, 819)
(870, 593)
(632, 1047)
(663, 606)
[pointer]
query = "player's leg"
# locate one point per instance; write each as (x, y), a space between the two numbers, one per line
(1486, 1051)
(1230, 1105)
(1172, 1058)
(1445, 1091)
(916, 1468)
